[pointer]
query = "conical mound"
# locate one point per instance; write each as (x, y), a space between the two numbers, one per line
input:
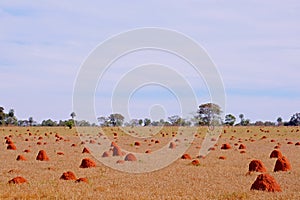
(17, 180)
(256, 166)
(282, 164)
(130, 157)
(42, 156)
(68, 176)
(266, 182)
(87, 163)
(85, 150)
(21, 157)
(275, 154)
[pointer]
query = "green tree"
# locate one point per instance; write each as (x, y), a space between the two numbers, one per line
(116, 119)
(10, 118)
(279, 121)
(244, 122)
(69, 123)
(2, 115)
(11, 113)
(241, 116)
(73, 115)
(134, 122)
(230, 119)
(209, 114)
(49, 122)
(147, 122)
(295, 120)
(175, 120)
(103, 121)
(140, 122)
(30, 121)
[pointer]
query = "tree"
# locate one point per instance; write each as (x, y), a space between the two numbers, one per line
(103, 121)
(69, 123)
(73, 115)
(2, 115)
(230, 119)
(268, 123)
(244, 122)
(30, 121)
(49, 122)
(140, 122)
(10, 118)
(116, 119)
(259, 123)
(209, 114)
(279, 121)
(11, 113)
(133, 122)
(174, 120)
(295, 120)
(147, 122)
(241, 116)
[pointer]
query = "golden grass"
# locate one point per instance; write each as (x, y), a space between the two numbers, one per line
(212, 179)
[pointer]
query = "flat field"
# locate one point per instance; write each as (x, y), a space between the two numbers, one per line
(213, 178)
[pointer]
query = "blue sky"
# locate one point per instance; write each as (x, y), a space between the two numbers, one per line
(254, 44)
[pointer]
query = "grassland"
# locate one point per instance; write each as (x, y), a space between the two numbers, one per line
(212, 179)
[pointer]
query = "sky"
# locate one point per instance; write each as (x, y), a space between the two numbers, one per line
(255, 46)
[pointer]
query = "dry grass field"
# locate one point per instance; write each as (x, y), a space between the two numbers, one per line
(213, 178)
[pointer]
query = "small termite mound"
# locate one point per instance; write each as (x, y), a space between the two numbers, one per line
(21, 158)
(87, 163)
(68, 176)
(186, 156)
(42, 156)
(256, 166)
(282, 164)
(82, 180)
(226, 146)
(130, 157)
(275, 154)
(17, 180)
(86, 150)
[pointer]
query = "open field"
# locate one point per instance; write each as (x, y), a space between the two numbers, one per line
(214, 178)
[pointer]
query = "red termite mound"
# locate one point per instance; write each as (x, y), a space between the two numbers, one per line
(42, 156)
(137, 144)
(242, 146)
(275, 154)
(68, 176)
(282, 164)
(172, 145)
(85, 150)
(17, 180)
(196, 162)
(256, 166)
(85, 180)
(225, 146)
(130, 157)
(222, 157)
(186, 156)
(106, 154)
(87, 163)
(266, 182)
(117, 151)
(21, 157)
(11, 147)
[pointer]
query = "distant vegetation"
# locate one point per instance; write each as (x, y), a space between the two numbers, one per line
(208, 114)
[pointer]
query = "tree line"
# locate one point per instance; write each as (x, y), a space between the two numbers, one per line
(208, 114)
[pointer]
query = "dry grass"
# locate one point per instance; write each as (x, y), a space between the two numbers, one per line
(212, 179)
